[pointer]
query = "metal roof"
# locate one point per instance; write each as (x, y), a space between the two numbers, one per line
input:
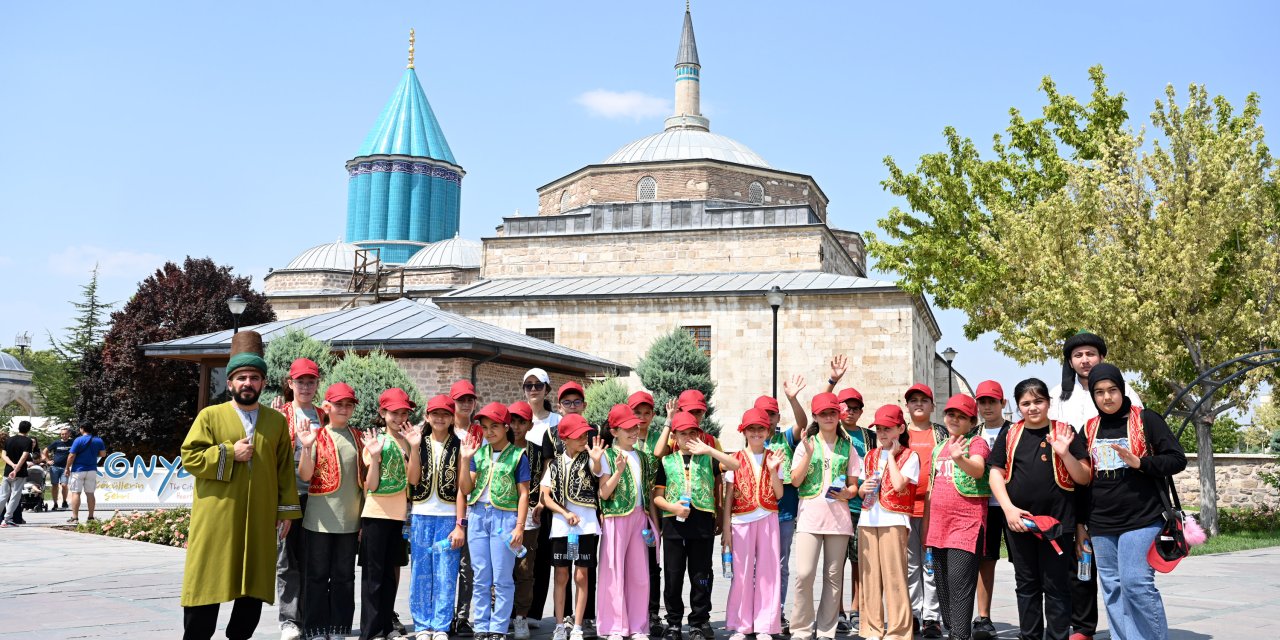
(666, 285)
(407, 126)
(688, 53)
(686, 144)
(399, 326)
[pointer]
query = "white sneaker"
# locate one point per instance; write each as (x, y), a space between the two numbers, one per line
(640, 636)
(615, 636)
(738, 635)
(763, 636)
(439, 635)
(521, 628)
(561, 632)
(576, 634)
(290, 631)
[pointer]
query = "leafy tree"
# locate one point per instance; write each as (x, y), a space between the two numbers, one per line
(1170, 253)
(52, 379)
(146, 405)
(283, 350)
(673, 364)
(90, 326)
(1226, 436)
(601, 396)
(369, 376)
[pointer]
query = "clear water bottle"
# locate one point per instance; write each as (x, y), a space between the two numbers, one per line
(837, 485)
(869, 500)
(519, 551)
(685, 501)
(726, 563)
(650, 540)
(1084, 570)
(441, 545)
(571, 548)
(928, 561)
(406, 530)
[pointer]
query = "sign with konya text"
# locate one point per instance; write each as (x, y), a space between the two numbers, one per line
(143, 481)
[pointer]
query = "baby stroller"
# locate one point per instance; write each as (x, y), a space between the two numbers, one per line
(33, 490)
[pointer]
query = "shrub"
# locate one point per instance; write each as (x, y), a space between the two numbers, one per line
(601, 396)
(1261, 518)
(169, 527)
(369, 376)
(673, 364)
(283, 350)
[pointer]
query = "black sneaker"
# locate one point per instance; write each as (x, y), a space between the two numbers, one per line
(983, 629)
(786, 627)
(395, 620)
(673, 633)
(463, 629)
(657, 628)
(589, 628)
(931, 629)
(842, 627)
(701, 632)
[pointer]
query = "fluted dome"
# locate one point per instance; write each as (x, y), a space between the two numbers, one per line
(686, 144)
(10, 363)
(454, 252)
(335, 255)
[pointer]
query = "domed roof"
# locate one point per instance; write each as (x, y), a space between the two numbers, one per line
(454, 252)
(408, 126)
(10, 363)
(335, 255)
(686, 144)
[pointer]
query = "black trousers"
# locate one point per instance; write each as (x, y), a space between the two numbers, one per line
(541, 569)
(329, 593)
(381, 549)
(695, 555)
(957, 580)
(462, 609)
(655, 586)
(199, 623)
(1084, 602)
(1043, 585)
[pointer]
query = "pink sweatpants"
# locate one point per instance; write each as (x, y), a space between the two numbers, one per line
(754, 596)
(622, 602)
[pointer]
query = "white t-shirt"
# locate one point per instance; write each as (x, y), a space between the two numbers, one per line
(1079, 408)
(990, 434)
(877, 516)
(433, 505)
(760, 512)
(588, 525)
(633, 459)
(540, 426)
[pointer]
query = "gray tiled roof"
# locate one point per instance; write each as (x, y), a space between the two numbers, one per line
(666, 285)
(397, 326)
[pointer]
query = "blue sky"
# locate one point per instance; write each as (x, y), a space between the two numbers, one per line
(133, 133)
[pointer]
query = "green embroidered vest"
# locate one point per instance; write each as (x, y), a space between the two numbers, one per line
(700, 476)
(623, 499)
(821, 470)
(650, 441)
(394, 474)
(966, 485)
(499, 476)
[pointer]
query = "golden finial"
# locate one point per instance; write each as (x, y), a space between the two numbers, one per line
(686, 6)
(410, 48)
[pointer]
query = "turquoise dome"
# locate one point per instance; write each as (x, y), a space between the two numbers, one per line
(407, 126)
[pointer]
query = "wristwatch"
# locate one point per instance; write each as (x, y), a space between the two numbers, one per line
(462, 522)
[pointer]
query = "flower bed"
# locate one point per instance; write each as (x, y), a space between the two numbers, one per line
(162, 526)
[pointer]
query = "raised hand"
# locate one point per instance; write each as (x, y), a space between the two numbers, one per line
(412, 433)
(839, 366)
(793, 386)
(306, 438)
(1060, 438)
(671, 408)
(1133, 461)
(956, 448)
(696, 447)
(596, 449)
(773, 459)
(372, 444)
(470, 446)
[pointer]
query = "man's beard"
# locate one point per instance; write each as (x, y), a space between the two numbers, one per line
(246, 396)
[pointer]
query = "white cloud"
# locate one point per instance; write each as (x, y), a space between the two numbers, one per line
(635, 105)
(79, 261)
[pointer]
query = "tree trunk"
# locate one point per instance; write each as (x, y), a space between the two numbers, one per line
(1208, 479)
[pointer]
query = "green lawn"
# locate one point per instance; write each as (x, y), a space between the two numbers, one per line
(1239, 541)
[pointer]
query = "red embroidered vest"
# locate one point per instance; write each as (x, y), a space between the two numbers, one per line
(748, 492)
(1060, 475)
(1137, 434)
(892, 501)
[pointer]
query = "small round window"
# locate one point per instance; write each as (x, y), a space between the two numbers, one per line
(647, 189)
(755, 193)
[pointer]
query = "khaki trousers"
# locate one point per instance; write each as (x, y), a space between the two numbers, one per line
(834, 550)
(883, 602)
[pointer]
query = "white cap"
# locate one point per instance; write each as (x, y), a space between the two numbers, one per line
(540, 374)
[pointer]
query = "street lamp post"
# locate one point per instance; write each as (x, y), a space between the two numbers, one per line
(949, 355)
(22, 341)
(775, 296)
(236, 305)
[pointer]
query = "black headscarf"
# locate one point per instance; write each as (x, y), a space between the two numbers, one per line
(1107, 371)
(1081, 339)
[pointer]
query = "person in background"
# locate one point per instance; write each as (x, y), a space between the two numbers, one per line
(785, 440)
(463, 393)
(642, 406)
(56, 456)
(521, 415)
(82, 462)
(991, 403)
(537, 391)
(17, 455)
(924, 435)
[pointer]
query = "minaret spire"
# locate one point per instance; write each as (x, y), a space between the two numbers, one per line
(411, 38)
(688, 113)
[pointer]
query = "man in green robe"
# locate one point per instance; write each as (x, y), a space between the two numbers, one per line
(245, 496)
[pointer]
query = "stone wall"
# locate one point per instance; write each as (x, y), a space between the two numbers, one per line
(306, 280)
(876, 330)
(854, 246)
(693, 180)
(796, 248)
(495, 381)
(443, 277)
(1238, 482)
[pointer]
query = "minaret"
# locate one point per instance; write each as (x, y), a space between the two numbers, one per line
(688, 113)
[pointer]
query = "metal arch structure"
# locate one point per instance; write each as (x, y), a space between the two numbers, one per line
(1208, 379)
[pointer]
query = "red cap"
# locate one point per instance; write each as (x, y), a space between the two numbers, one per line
(922, 388)
(766, 404)
(638, 398)
(823, 402)
(691, 400)
(395, 398)
(571, 387)
(303, 367)
(849, 394)
(962, 403)
(339, 391)
(890, 415)
(462, 389)
(754, 417)
(440, 403)
(573, 426)
(1171, 545)
(622, 416)
(683, 421)
(495, 411)
(522, 409)
(990, 389)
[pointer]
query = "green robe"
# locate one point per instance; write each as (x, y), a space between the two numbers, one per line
(231, 550)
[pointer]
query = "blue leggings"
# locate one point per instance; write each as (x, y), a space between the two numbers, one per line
(435, 574)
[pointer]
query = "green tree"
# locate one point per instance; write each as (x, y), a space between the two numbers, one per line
(1170, 249)
(673, 364)
(282, 350)
(1226, 436)
(51, 377)
(601, 396)
(370, 375)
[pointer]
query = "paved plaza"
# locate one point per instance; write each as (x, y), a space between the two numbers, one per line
(61, 585)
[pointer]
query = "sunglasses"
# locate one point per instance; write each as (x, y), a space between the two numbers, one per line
(534, 386)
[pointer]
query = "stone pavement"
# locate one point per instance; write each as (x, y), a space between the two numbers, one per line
(62, 585)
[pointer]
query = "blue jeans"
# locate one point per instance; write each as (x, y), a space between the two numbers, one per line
(492, 565)
(1134, 606)
(435, 573)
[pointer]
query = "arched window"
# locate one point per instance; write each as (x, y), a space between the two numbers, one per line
(564, 200)
(755, 193)
(647, 189)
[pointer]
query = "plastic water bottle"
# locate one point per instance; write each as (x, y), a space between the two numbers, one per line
(726, 563)
(519, 551)
(1030, 524)
(685, 501)
(928, 561)
(441, 545)
(571, 549)
(837, 485)
(870, 499)
(649, 539)
(1084, 570)
(406, 530)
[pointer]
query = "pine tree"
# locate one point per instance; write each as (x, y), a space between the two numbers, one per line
(90, 326)
(601, 396)
(673, 364)
(283, 350)
(369, 376)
